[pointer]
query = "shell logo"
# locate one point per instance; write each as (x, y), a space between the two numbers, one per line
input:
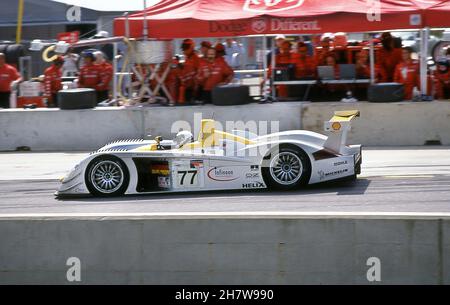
(336, 126)
(266, 6)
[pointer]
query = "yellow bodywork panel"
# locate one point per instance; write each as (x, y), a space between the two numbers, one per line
(344, 116)
(210, 137)
(149, 147)
(192, 145)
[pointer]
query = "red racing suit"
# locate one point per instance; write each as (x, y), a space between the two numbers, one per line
(212, 74)
(89, 76)
(52, 80)
(304, 67)
(105, 75)
(189, 72)
(441, 83)
(407, 73)
(8, 74)
(387, 61)
(282, 59)
(322, 54)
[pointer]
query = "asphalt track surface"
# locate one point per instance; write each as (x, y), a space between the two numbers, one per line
(392, 180)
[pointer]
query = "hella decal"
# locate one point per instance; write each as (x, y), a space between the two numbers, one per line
(221, 174)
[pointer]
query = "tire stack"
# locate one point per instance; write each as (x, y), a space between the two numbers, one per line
(12, 52)
(231, 95)
(385, 93)
(80, 98)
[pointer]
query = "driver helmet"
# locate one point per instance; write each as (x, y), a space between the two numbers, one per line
(183, 137)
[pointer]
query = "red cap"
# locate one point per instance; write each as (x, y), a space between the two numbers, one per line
(219, 47)
(206, 44)
(59, 59)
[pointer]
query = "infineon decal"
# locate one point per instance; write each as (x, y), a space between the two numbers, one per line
(221, 174)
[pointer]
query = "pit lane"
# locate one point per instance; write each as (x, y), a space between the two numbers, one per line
(412, 179)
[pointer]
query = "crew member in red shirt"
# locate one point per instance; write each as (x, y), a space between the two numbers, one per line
(442, 79)
(52, 81)
(407, 73)
(213, 72)
(106, 74)
(304, 65)
(8, 78)
(189, 72)
(204, 47)
(388, 58)
(89, 76)
(283, 58)
(323, 52)
(362, 64)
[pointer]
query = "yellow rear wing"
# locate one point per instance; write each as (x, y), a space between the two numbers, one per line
(340, 120)
(339, 126)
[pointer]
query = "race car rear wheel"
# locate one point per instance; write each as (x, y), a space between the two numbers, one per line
(286, 168)
(107, 176)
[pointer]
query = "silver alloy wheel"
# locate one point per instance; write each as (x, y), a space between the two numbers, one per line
(107, 176)
(286, 168)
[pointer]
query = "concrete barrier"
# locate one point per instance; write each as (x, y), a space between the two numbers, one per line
(89, 129)
(387, 124)
(296, 248)
(67, 130)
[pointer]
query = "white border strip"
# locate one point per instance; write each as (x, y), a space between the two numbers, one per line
(226, 215)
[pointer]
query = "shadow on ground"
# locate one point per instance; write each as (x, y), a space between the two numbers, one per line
(356, 187)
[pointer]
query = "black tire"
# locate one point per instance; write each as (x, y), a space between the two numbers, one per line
(80, 98)
(107, 186)
(286, 152)
(230, 95)
(3, 48)
(13, 53)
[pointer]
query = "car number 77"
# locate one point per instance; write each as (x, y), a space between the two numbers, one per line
(185, 173)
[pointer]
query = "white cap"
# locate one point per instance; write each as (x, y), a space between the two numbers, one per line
(280, 36)
(103, 34)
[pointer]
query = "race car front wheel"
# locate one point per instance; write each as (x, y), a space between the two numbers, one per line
(107, 176)
(286, 168)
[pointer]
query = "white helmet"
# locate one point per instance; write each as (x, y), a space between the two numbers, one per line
(183, 137)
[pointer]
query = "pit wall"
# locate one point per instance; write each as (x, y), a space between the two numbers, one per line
(390, 124)
(226, 249)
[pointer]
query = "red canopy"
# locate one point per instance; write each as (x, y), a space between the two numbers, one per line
(438, 15)
(221, 18)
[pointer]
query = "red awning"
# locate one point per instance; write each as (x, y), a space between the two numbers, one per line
(438, 15)
(222, 18)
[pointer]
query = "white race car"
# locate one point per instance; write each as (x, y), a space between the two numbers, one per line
(218, 161)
